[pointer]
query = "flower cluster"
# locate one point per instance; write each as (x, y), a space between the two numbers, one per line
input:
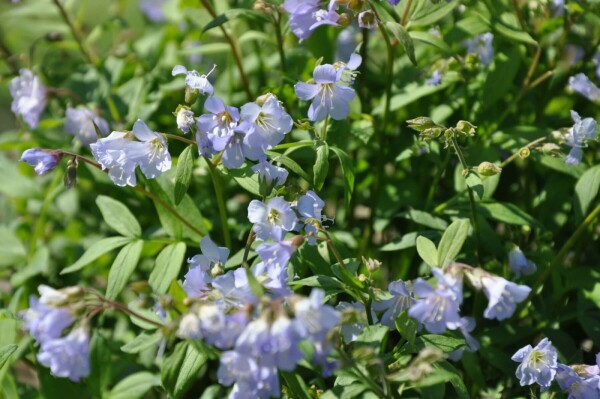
(259, 335)
(46, 320)
(539, 365)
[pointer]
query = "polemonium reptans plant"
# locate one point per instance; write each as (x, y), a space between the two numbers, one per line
(366, 180)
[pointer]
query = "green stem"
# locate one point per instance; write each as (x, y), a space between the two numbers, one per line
(179, 138)
(277, 23)
(406, 13)
(249, 241)
(558, 259)
(324, 128)
(41, 221)
(472, 202)
(217, 183)
(87, 53)
(436, 180)
(124, 309)
(234, 50)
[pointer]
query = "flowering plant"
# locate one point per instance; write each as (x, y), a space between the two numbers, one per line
(304, 199)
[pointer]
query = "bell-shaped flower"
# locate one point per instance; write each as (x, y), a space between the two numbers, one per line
(538, 365)
(68, 356)
(242, 145)
(234, 289)
(519, 263)
(301, 16)
(269, 175)
(272, 272)
(151, 152)
(29, 97)
(110, 154)
(41, 160)
(328, 97)
(482, 45)
(503, 296)
(310, 208)
(194, 80)
(204, 267)
(271, 120)
(185, 119)
(582, 131)
(82, 123)
(400, 301)
(45, 322)
(273, 219)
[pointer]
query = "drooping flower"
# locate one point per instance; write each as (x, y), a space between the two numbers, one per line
(584, 86)
(185, 119)
(233, 289)
(271, 120)
(435, 79)
(582, 131)
(41, 160)
(29, 97)
(45, 322)
(482, 45)
(195, 81)
(401, 300)
(269, 175)
(68, 356)
(354, 319)
(437, 309)
(220, 329)
(346, 43)
(153, 9)
(271, 220)
(519, 263)
(538, 365)
(503, 296)
(82, 123)
(306, 16)
(328, 97)
(272, 271)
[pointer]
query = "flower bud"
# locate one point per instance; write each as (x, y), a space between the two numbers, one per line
(191, 95)
(185, 119)
(367, 19)
(550, 149)
(466, 128)
(488, 169)
(344, 20)
(371, 264)
(297, 241)
(524, 152)
(423, 123)
(54, 36)
(70, 178)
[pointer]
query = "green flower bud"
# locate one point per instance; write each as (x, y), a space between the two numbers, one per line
(466, 128)
(488, 169)
(423, 123)
(190, 95)
(524, 152)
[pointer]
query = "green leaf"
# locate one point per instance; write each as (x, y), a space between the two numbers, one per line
(5, 353)
(456, 380)
(406, 241)
(181, 368)
(428, 38)
(586, 189)
(425, 219)
(427, 251)
(321, 166)
(12, 250)
(348, 172)
(474, 182)
(452, 241)
(134, 386)
(404, 38)
(407, 327)
(288, 163)
(329, 284)
(507, 213)
(443, 343)
(118, 217)
(101, 364)
(142, 342)
(183, 175)
(95, 251)
(247, 179)
(231, 14)
(167, 266)
(432, 13)
(296, 386)
(123, 267)
(500, 78)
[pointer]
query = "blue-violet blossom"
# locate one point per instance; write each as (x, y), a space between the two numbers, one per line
(41, 160)
(82, 123)
(538, 365)
(29, 97)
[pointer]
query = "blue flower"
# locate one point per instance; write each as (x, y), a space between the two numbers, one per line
(271, 120)
(29, 97)
(216, 129)
(273, 271)
(538, 365)
(220, 329)
(577, 385)
(68, 356)
(271, 220)
(44, 322)
(204, 267)
(482, 45)
(195, 81)
(233, 289)
(503, 296)
(306, 16)
(558, 7)
(582, 131)
(435, 79)
(584, 86)
(437, 309)
(328, 97)
(150, 153)
(41, 160)
(519, 263)
(400, 301)
(153, 9)
(310, 208)
(82, 123)
(252, 379)
(269, 175)
(242, 144)
(185, 119)
(110, 154)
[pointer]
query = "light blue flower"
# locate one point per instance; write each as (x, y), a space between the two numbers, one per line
(80, 123)
(204, 267)
(217, 127)
(328, 97)
(153, 9)
(233, 289)
(269, 175)
(150, 152)
(110, 154)
(310, 208)
(272, 272)
(242, 144)
(538, 365)
(582, 131)
(41, 160)
(29, 97)
(271, 120)
(435, 79)
(503, 296)
(482, 45)
(44, 322)
(271, 220)
(578, 385)
(437, 309)
(221, 329)
(584, 86)
(400, 301)
(185, 119)
(195, 81)
(519, 263)
(306, 16)
(68, 356)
